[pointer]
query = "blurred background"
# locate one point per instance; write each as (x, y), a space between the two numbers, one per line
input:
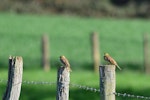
(96, 8)
(42, 30)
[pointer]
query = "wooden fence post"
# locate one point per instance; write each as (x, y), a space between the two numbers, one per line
(45, 53)
(146, 53)
(95, 51)
(14, 78)
(63, 81)
(107, 82)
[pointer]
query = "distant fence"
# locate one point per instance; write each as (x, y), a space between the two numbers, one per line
(95, 51)
(45, 53)
(94, 48)
(146, 49)
(95, 55)
(107, 82)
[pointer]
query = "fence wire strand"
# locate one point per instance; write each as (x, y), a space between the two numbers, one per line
(132, 96)
(83, 87)
(32, 82)
(38, 82)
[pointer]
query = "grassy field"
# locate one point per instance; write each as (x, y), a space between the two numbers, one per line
(70, 36)
(127, 82)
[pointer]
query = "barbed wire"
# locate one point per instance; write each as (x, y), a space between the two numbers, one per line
(132, 96)
(83, 87)
(31, 82)
(38, 82)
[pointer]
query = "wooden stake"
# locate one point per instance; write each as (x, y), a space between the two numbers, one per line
(95, 51)
(107, 82)
(45, 53)
(14, 78)
(63, 81)
(146, 54)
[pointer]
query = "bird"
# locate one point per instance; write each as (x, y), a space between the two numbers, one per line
(65, 63)
(109, 59)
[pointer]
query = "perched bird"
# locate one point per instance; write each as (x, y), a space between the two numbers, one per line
(109, 59)
(65, 62)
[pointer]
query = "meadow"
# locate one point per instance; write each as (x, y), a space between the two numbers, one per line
(127, 82)
(70, 36)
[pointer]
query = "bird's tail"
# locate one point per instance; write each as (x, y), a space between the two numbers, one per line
(119, 67)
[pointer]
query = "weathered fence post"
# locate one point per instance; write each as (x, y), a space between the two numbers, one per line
(146, 53)
(95, 51)
(63, 80)
(14, 78)
(45, 53)
(107, 82)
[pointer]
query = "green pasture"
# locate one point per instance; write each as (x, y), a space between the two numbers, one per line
(70, 36)
(127, 82)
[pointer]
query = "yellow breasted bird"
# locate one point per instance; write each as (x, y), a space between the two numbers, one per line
(109, 59)
(65, 62)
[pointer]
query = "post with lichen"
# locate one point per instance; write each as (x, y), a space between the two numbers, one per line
(95, 51)
(107, 82)
(14, 78)
(63, 80)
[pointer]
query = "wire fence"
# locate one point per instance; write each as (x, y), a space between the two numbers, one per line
(83, 87)
(132, 96)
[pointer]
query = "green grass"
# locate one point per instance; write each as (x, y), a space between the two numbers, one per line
(127, 82)
(70, 36)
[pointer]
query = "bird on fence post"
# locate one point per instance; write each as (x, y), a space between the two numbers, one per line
(65, 63)
(109, 59)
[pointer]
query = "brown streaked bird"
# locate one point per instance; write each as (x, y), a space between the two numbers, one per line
(65, 62)
(109, 59)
